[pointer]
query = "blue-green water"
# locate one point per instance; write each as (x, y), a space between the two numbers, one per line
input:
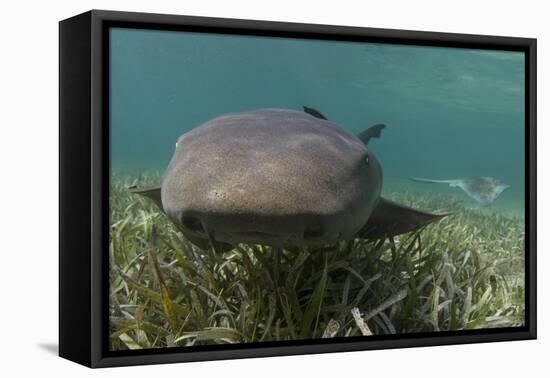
(450, 113)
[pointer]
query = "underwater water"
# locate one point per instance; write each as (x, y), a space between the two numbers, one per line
(450, 113)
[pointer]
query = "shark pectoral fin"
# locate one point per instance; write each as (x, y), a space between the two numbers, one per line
(371, 132)
(151, 192)
(390, 219)
(313, 112)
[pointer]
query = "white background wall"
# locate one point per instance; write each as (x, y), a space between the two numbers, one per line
(29, 187)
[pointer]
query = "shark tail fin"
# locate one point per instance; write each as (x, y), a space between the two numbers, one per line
(372, 132)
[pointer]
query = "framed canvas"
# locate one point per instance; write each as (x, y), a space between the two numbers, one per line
(234, 188)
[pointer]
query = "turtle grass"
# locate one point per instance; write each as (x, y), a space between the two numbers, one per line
(464, 272)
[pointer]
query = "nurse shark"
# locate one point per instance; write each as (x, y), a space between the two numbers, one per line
(279, 177)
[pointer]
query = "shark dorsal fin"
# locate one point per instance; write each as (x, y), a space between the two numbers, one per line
(315, 113)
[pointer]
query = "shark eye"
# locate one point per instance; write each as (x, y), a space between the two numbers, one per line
(367, 160)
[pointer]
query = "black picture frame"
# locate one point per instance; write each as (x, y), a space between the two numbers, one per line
(83, 181)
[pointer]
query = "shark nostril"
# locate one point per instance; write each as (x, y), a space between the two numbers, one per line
(193, 224)
(313, 231)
